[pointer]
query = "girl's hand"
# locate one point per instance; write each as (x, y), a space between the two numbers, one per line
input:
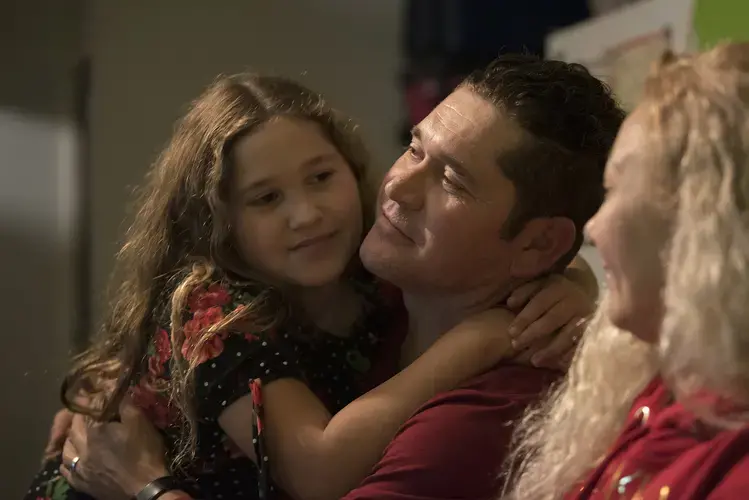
(552, 317)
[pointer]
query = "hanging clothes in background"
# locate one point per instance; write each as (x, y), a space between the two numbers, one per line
(446, 39)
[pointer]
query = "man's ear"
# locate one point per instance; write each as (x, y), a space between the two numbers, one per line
(540, 245)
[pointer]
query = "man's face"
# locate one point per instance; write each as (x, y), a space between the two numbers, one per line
(442, 205)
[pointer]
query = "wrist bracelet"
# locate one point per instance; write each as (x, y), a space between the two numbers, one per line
(157, 487)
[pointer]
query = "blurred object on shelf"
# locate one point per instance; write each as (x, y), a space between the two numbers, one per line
(621, 46)
(444, 40)
(600, 7)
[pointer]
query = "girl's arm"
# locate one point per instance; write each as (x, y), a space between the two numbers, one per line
(580, 272)
(316, 456)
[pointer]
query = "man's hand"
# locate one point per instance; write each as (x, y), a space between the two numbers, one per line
(58, 434)
(116, 460)
(552, 320)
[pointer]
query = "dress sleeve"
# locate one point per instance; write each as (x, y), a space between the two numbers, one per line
(232, 362)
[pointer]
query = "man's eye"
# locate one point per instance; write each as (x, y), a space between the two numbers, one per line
(414, 153)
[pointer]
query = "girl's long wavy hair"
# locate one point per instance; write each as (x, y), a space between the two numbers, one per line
(697, 110)
(182, 230)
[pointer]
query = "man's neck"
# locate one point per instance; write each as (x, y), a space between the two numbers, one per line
(333, 307)
(430, 316)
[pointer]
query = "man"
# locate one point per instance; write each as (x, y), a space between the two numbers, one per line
(492, 193)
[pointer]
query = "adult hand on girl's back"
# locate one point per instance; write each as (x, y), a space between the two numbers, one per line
(552, 317)
(116, 460)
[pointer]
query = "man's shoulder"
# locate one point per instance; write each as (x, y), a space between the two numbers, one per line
(498, 396)
(454, 445)
(507, 380)
(506, 385)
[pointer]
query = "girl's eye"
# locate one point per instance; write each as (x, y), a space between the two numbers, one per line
(266, 199)
(322, 177)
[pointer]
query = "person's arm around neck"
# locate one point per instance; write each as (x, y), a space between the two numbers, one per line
(314, 456)
(580, 272)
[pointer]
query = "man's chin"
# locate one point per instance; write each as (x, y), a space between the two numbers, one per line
(377, 257)
(369, 255)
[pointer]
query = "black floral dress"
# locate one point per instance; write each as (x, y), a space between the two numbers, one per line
(235, 364)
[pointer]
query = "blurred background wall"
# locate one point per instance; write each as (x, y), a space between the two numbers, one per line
(89, 92)
(41, 43)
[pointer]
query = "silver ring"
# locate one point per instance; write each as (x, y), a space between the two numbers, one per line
(74, 464)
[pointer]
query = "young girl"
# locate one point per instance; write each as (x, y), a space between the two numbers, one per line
(240, 270)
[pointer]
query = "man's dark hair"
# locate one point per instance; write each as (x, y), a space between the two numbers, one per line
(571, 118)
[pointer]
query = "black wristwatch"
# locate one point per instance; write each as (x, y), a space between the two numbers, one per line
(157, 487)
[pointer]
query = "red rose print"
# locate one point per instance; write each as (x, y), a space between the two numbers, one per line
(257, 392)
(201, 321)
(211, 349)
(155, 406)
(155, 367)
(142, 397)
(250, 337)
(214, 296)
(209, 316)
(163, 346)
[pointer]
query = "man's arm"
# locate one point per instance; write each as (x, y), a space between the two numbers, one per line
(454, 446)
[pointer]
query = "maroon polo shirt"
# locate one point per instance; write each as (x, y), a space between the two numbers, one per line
(453, 447)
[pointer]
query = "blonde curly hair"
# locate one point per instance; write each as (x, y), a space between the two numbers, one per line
(696, 108)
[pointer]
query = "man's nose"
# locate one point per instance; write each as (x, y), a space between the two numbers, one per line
(406, 186)
(303, 212)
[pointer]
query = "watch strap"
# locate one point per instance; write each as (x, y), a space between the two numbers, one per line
(157, 487)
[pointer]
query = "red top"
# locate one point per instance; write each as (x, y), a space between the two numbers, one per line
(453, 447)
(664, 452)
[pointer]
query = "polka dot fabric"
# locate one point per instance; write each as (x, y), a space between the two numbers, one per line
(235, 364)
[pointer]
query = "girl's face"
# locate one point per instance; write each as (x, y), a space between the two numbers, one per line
(295, 209)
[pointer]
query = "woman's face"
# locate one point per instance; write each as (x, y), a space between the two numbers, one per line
(631, 232)
(294, 204)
